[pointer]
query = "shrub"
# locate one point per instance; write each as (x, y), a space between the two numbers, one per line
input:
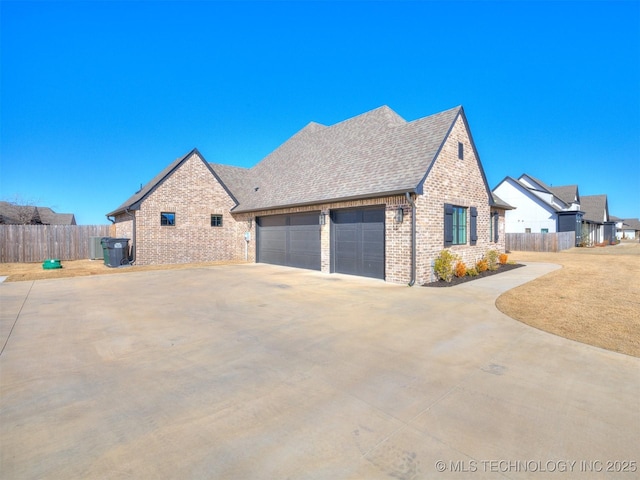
(460, 270)
(444, 265)
(502, 259)
(492, 259)
(482, 265)
(472, 272)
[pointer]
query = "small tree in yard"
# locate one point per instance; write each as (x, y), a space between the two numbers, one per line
(445, 263)
(20, 211)
(492, 259)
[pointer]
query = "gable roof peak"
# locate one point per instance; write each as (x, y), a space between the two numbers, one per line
(567, 193)
(314, 126)
(382, 115)
(137, 197)
(540, 183)
(595, 207)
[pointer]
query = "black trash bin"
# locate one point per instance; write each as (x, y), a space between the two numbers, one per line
(116, 251)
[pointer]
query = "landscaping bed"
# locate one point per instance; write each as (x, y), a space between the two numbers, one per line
(487, 273)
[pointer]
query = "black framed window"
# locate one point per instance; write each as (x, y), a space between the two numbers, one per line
(455, 225)
(459, 226)
(460, 151)
(216, 220)
(168, 219)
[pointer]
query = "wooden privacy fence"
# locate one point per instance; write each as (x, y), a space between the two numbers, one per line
(540, 242)
(36, 243)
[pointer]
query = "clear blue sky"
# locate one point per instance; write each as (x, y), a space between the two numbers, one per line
(98, 97)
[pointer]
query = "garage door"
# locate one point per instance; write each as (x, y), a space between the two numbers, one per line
(357, 242)
(290, 240)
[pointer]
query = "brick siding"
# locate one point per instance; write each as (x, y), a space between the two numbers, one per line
(193, 194)
(457, 182)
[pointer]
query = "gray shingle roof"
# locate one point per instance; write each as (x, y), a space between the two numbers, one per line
(539, 182)
(49, 217)
(10, 213)
(594, 208)
(374, 154)
(568, 193)
(631, 224)
(236, 179)
(133, 200)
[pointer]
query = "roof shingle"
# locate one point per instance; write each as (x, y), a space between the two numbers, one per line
(374, 154)
(595, 208)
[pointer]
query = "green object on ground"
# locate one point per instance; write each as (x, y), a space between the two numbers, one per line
(51, 263)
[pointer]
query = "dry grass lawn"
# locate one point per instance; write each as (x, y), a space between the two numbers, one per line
(594, 298)
(17, 272)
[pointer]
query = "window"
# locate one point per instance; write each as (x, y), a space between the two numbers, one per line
(455, 225)
(168, 219)
(460, 151)
(491, 238)
(527, 230)
(216, 220)
(459, 226)
(544, 230)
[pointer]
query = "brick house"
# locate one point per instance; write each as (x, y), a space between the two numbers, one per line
(373, 195)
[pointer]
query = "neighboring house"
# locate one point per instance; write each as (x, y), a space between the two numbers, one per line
(12, 214)
(374, 195)
(545, 209)
(596, 223)
(626, 228)
(539, 207)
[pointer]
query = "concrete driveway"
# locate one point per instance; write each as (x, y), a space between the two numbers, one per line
(261, 372)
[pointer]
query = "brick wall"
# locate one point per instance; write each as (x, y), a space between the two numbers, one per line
(458, 182)
(193, 194)
(500, 245)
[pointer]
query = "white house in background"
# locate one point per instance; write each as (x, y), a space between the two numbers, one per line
(626, 228)
(540, 208)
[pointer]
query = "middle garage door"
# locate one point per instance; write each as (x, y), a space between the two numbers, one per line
(289, 240)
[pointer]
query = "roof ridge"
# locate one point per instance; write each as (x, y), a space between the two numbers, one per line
(443, 112)
(226, 165)
(384, 111)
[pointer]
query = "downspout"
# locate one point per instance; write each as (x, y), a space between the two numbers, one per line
(413, 238)
(133, 235)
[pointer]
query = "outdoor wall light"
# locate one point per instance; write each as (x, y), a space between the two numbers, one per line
(323, 218)
(249, 223)
(399, 215)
